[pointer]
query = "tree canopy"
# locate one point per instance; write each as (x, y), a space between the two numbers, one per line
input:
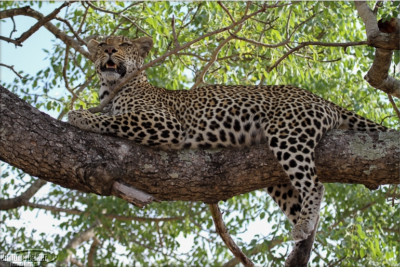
(323, 47)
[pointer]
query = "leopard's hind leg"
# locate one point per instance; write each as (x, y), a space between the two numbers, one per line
(288, 199)
(296, 155)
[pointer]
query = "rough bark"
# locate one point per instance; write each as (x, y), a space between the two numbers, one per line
(60, 153)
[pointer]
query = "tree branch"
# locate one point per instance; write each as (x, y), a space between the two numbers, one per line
(12, 203)
(76, 241)
(260, 247)
(41, 22)
(92, 252)
(12, 69)
(223, 232)
(27, 11)
(384, 37)
(109, 216)
(60, 153)
(376, 37)
(378, 76)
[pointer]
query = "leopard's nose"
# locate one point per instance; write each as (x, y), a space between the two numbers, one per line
(110, 50)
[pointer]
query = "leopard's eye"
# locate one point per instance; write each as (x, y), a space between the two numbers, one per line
(125, 44)
(101, 44)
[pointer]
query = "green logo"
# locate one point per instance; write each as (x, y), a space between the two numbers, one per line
(33, 256)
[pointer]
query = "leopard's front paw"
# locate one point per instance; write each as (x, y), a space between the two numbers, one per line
(302, 229)
(80, 118)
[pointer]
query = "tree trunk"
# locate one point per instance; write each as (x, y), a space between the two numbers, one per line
(60, 153)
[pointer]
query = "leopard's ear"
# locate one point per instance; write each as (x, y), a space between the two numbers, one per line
(144, 44)
(93, 46)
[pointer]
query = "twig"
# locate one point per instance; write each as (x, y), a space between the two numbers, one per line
(9, 40)
(226, 10)
(176, 42)
(394, 105)
(82, 21)
(107, 215)
(72, 30)
(14, 27)
(198, 8)
(66, 78)
(200, 77)
(248, 4)
(41, 22)
(172, 52)
(78, 240)
(16, 73)
(118, 14)
(223, 232)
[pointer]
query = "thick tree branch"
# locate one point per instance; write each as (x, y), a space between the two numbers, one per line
(12, 203)
(60, 153)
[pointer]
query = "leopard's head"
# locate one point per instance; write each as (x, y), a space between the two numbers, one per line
(117, 56)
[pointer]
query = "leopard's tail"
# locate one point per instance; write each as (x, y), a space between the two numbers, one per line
(354, 122)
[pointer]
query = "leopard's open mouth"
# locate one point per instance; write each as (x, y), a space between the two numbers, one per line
(110, 66)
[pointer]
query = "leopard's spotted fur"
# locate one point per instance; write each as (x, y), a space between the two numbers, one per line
(290, 119)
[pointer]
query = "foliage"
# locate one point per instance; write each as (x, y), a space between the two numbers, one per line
(358, 228)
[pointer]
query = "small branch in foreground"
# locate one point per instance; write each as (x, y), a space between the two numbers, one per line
(223, 232)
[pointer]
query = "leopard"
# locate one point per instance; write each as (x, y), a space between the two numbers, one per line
(289, 119)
